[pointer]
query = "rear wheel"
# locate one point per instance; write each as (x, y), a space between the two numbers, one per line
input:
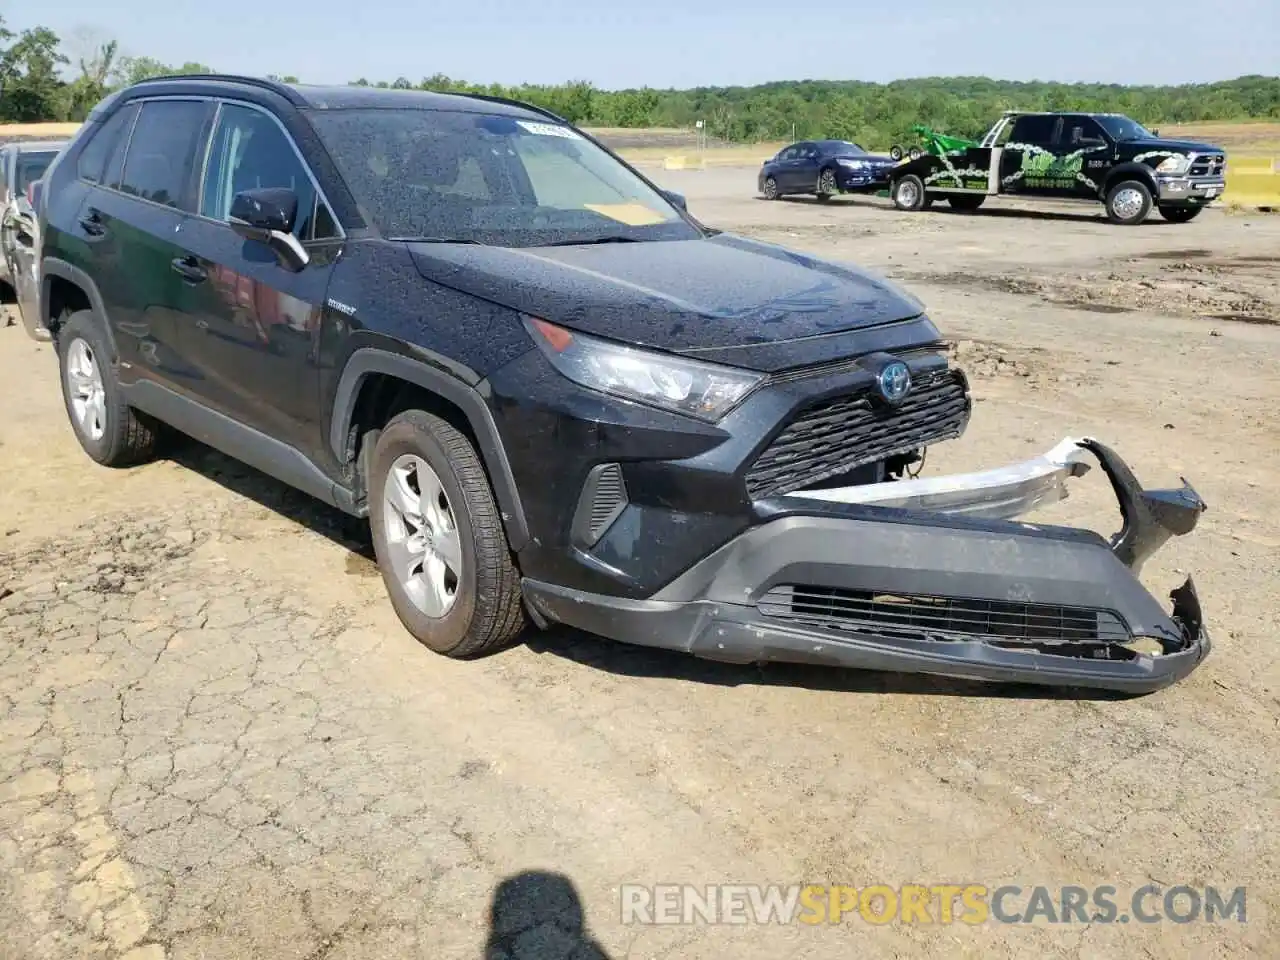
(909, 193)
(896, 152)
(1180, 214)
(108, 429)
(771, 189)
(915, 153)
(1128, 203)
(966, 201)
(439, 539)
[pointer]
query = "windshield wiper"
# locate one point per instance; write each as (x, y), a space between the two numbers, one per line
(592, 241)
(475, 243)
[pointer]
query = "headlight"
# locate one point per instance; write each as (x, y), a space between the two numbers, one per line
(852, 164)
(1174, 165)
(703, 390)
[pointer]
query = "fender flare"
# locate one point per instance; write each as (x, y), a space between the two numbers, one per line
(1130, 170)
(55, 267)
(467, 398)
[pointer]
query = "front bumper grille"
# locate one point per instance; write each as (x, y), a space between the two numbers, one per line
(1208, 166)
(836, 436)
(941, 618)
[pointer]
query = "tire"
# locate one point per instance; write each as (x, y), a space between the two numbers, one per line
(966, 202)
(895, 152)
(827, 187)
(771, 189)
(414, 453)
(1180, 214)
(109, 430)
(1128, 203)
(915, 153)
(909, 193)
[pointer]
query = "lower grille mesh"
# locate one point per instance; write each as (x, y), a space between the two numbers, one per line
(942, 617)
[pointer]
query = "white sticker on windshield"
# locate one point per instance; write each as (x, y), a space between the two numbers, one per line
(548, 130)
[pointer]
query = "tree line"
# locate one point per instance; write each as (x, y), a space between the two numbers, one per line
(44, 78)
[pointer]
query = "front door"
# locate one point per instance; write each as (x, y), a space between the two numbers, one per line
(1027, 161)
(1085, 147)
(251, 324)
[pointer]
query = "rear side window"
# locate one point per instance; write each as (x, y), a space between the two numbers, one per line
(113, 133)
(162, 149)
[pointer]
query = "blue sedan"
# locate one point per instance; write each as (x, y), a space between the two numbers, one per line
(824, 168)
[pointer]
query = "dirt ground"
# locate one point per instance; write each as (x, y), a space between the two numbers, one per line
(216, 741)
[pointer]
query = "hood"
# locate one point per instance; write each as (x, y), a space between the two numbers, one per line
(868, 157)
(685, 296)
(1148, 144)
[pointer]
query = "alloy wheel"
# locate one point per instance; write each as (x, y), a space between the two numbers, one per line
(423, 546)
(84, 387)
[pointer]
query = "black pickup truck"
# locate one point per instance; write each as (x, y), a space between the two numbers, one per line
(1099, 157)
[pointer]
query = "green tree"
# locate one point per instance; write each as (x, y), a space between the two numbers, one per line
(30, 88)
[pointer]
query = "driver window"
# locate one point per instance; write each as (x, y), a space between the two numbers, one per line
(1082, 132)
(249, 151)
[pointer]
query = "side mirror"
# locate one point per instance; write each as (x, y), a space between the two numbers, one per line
(267, 216)
(1155, 132)
(677, 199)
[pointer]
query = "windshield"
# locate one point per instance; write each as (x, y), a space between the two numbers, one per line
(31, 167)
(1122, 128)
(844, 148)
(480, 178)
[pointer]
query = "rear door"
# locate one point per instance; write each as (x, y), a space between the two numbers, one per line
(129, 221)
(250, 325)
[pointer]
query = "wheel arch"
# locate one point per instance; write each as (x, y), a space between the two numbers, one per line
(1130, 171)
(64, 286)
(376, 383)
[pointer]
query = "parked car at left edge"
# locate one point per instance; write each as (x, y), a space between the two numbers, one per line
(21, 165)
(823, 168)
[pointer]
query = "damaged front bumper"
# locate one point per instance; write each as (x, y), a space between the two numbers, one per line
(931, 576)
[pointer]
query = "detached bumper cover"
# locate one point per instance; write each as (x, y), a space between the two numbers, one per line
(930, 576)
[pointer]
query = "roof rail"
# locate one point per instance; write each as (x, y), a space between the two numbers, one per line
(508, 101)
(275, 86)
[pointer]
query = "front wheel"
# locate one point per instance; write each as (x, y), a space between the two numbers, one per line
(439, 539)
(909, 193)
(1128, 203)
(896, 153)
(827, 184)
(915, 153)
(770, 189)
(1180, 214)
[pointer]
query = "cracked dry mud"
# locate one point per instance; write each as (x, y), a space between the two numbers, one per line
(216, 741)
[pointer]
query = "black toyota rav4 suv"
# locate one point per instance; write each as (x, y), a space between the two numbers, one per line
(558, 397)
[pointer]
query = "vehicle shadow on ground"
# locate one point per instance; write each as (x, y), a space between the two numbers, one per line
(584, 648)
(635, 661)
(538, 915)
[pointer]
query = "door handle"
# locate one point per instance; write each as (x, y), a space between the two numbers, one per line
(92, 224)
(189, 269)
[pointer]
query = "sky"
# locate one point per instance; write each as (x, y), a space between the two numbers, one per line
(683, 43)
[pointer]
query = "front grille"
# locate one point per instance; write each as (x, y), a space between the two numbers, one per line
(1208, 166)
(836, 436)
(942, 618)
